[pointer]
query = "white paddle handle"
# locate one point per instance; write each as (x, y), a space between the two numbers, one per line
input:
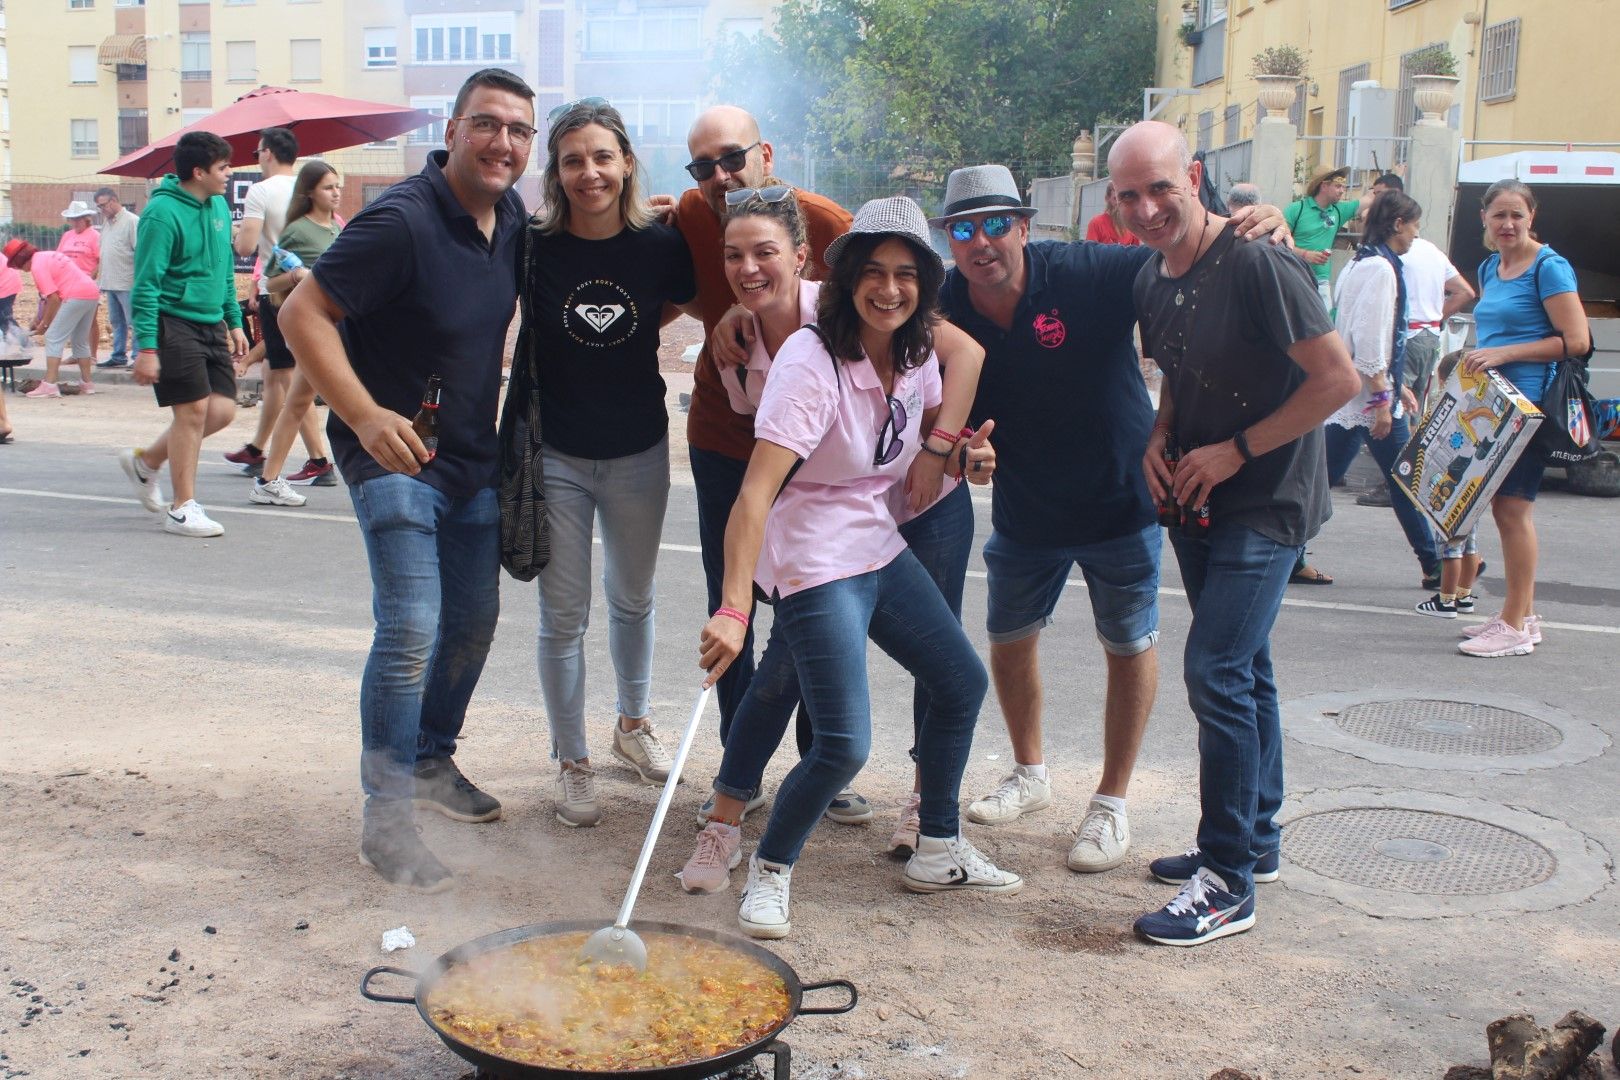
(664, 800)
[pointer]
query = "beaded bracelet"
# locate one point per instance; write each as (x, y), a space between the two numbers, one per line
(732, 613)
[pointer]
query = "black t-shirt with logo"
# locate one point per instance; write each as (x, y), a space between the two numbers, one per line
(1221, 333)
(596, 306)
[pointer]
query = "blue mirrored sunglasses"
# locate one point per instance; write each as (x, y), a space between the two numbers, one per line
(996, 226)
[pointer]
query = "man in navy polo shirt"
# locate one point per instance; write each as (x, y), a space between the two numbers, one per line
(1061, 381)
(423, 282)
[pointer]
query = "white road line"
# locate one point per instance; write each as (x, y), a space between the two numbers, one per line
(295, 514)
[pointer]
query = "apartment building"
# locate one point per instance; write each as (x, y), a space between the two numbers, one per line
(108, 76)
(1527, 66)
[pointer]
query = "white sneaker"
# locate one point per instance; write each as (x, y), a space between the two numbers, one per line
(764, 909)
(1105, 837)
(142, 480)
(574, 795)
(950, 864)
(275, 492)
(641, 750)
(1018, 794)
(189, 519)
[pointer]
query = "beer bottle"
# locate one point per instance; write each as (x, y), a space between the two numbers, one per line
(1169, 509)
(426, 422)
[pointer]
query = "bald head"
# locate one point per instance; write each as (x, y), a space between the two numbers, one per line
(1157, 184)
(1153, 139)
(717, 132)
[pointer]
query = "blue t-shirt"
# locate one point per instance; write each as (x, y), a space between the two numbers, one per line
(1065, 390)
(424, 292)
(1512, 313)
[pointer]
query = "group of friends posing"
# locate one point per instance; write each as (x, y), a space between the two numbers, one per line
(834, 416)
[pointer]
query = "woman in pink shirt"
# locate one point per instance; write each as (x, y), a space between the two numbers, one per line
(82, 243)
(838, 425)
(67, 306)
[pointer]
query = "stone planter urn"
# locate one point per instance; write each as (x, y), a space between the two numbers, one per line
(1083, 156)
(1433, 95)
(1277, 93)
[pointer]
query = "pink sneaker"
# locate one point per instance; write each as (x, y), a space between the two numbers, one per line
(88, 388)
(906, 831)
(44, 389)
(1532, 626)
(1497, 638)
(719, 850)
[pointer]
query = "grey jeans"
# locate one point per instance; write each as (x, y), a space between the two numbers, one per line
(627, 496)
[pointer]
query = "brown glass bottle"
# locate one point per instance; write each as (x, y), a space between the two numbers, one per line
(426, 422)
(1169, 509)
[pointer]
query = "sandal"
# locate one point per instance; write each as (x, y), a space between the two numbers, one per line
(1309, 575)
(7, 437)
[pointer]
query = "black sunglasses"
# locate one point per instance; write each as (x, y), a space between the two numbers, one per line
(893, 426)
(731, 161)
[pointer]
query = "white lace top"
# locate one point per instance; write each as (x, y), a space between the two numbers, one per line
(1366, 322)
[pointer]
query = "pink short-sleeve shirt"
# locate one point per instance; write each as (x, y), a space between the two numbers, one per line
(84, 248)
(10, 280)
(56, 273)
(745, 385)
(833, 521)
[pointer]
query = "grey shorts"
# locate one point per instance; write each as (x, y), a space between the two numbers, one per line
(72, 325)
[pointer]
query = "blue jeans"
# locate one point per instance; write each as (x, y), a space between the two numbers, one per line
(1122, 579)
(825, 630)
(122, 323)
(628, 496)
(1235, 579)
(718, 479)
(1343, 444)
(435, 594)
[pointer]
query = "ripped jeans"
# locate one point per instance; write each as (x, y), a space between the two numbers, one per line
(435, 594)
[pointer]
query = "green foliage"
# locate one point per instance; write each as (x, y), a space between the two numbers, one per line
(910, 89)
(1279, 60)
(1432, 60)
(1186, 31)
(44, 237)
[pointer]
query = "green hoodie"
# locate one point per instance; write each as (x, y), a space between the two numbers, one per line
(184, 265)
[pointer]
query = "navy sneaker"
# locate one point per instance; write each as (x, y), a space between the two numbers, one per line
(1202, 911)
(1176, 869)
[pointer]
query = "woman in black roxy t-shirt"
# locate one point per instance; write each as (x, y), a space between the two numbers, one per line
(600, 278)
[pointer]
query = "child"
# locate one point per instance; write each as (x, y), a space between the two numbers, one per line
(1460, 564)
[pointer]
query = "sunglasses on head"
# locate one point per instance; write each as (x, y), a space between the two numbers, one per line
(892, 427)
(588, 102)
(731, 161)
(773, 194)
(996, 226)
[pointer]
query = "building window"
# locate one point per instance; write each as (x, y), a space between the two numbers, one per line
(433, 134)
(1206, 131)
(1348, 77)
(382, 47)
(1499, 67)
(191, 116)
(130, 3)
(82, 64)
(131, 130)
(462, 39)
(83, 138)
(131, 72)
(657, 122)
(81, 5)
(242, 61)
(659, 30)
(306, 59)
(1233, 124)
(1395, 5)
(549, 57)
(195, 64)
(370, 192)
(1209, 55)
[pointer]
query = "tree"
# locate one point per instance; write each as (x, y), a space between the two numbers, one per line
(919, 87)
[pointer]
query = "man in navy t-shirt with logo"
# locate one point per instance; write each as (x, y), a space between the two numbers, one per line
(1062, 382)
(423, 282)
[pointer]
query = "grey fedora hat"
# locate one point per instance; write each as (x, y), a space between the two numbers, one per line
(895, 216)
(978, 189)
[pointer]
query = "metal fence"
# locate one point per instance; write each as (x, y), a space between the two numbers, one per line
(1229, 164)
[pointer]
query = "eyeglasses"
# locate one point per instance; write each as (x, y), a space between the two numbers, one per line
(731, 161)
(488, 127)
(963, 229)
(773, 194)
(588, 102)
(892, 427)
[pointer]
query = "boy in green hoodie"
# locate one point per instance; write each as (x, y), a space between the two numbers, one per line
(188, 325)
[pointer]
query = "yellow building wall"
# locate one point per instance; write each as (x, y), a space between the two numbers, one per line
(1566, 75)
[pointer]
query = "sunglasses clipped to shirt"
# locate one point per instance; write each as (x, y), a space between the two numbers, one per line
(731, 161)
(996, 226)
(891, 429)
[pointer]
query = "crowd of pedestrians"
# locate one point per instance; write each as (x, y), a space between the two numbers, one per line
(848, 390)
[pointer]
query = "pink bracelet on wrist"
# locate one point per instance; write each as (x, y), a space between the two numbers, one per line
(732, 613)
(941, 433)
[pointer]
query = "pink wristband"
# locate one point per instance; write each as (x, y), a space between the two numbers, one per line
(732, 613)
(941, 433)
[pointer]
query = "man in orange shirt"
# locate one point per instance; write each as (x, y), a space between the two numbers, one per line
(1108, 227)
(728, 153)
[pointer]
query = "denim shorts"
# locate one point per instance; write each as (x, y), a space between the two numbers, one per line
(1122, 576)
(1523, 481)
(1459, 546)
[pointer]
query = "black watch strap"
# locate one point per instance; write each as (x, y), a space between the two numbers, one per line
(1242, 444)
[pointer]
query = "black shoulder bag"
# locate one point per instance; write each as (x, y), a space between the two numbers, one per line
(525, 528)
(1569, 434)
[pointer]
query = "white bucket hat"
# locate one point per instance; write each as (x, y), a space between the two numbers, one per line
(79, 208)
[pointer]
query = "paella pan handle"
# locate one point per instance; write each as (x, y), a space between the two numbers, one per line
(827, 1010)
(371, 995)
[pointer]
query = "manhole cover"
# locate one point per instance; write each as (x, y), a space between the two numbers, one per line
(1416, 851)
(1447, 727)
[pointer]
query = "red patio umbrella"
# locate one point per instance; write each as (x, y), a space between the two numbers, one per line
(321, 121)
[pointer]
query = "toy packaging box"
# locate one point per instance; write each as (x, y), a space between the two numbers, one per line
(1457, 458)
